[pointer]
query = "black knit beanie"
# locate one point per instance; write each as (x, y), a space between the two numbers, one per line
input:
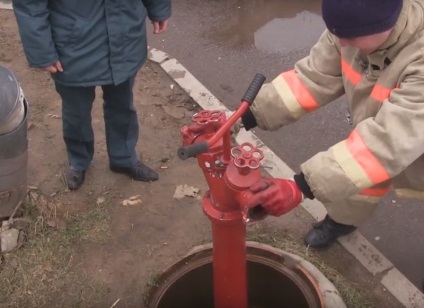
(354, 18)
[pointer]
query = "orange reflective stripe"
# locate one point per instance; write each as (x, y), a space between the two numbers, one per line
(380, 93)
(353, 76)
(376, 192)
(300, 92)
(366, 159)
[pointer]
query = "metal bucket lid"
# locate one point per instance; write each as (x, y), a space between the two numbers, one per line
(11, 101)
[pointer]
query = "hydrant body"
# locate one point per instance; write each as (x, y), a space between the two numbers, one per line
(229, 173)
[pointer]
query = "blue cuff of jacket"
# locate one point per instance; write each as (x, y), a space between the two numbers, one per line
(158, 10)
(303, 186)
(42, 61)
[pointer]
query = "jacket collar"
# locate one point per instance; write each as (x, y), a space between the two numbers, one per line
(409, 24)
(400, 27)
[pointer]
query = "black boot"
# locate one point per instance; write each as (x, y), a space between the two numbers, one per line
(74, 178)
(138, 172)
(325, 233)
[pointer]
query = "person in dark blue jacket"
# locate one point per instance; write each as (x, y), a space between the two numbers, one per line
(89, 43)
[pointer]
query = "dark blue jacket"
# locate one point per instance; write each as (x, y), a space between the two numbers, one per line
(97, 41)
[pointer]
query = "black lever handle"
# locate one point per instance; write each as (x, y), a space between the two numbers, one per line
(254, 88)
(192, 150)
(197, 148)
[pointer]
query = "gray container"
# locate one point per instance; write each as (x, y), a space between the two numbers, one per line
(13, 143)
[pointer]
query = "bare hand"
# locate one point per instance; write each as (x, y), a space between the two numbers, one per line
(54, 68)
(159, 26)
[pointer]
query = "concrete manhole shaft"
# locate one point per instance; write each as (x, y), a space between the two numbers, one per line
(276, 279)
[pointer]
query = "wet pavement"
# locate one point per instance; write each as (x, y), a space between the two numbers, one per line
(225, 42)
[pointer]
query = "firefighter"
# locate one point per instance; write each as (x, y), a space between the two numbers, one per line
(371, 51)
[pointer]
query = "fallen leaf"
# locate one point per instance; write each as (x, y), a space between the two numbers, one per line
(185, 191)
(135, 197)
(134, 200)
(174, 111)
(54, 116)
(130, 203)
(100, 200)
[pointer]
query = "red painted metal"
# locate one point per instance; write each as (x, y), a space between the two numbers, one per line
(229, 173)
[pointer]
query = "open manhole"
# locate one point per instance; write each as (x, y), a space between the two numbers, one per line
(276, 279)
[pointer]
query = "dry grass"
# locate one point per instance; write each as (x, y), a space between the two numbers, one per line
(352, 294)
(40, 273)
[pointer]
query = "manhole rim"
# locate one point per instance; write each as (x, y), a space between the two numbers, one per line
(298, 270)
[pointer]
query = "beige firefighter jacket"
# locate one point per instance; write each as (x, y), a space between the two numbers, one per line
(385, 95)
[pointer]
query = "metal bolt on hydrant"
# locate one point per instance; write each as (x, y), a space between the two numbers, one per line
(229, 173)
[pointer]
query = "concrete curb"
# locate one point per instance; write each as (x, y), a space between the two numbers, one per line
(5, 6)
(373, 260)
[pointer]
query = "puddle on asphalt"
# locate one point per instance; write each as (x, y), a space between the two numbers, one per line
(273, 26)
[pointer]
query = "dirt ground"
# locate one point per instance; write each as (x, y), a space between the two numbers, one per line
(87, 249)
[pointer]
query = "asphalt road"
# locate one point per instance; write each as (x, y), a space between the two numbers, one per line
(225, 42)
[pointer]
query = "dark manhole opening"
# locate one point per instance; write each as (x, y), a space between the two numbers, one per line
(270, 285)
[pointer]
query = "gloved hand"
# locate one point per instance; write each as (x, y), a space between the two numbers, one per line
(276, 196)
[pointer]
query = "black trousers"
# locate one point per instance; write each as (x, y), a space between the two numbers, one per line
(120, 118)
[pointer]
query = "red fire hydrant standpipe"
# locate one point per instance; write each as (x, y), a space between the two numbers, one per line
(229, 173)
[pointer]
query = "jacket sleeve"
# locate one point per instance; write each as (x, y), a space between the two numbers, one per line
(315, 81)
(158, 10)
(32, 17)
(378, 149)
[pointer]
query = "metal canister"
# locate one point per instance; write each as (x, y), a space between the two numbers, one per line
(13, 143)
